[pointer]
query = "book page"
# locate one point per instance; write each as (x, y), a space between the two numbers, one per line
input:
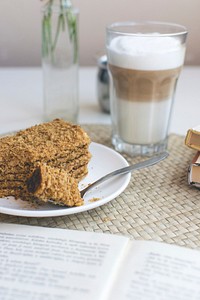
(56, 264)
(157, 271)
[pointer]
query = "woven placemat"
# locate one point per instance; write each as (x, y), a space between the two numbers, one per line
(157, 205)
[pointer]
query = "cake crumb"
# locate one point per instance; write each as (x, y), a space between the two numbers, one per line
(94, 199)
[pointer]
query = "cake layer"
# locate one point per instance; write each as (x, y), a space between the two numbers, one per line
(24, 167)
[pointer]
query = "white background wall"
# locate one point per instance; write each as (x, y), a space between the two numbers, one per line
(20, 26)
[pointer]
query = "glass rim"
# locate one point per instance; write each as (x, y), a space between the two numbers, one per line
(114, 28)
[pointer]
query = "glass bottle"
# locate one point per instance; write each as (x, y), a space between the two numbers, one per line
(60, 60)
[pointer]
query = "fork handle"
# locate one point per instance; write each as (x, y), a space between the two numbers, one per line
(143, 164)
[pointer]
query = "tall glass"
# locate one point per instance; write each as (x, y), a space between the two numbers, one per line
(144, 62)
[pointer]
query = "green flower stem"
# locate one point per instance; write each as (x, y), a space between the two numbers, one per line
(57, 33)
(73, 33)
(66, 21)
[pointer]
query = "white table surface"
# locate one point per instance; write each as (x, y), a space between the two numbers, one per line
(21, 99)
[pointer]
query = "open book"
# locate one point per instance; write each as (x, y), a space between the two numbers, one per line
(57, 264)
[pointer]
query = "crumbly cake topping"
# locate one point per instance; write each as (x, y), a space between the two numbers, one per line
(57, 133)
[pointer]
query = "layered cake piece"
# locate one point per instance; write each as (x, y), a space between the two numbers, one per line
(57, 144)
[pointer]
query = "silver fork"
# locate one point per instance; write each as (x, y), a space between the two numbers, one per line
(146, 163)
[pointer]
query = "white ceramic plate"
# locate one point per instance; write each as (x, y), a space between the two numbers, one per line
(103, 161)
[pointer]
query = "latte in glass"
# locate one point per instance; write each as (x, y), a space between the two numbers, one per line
(143, 71)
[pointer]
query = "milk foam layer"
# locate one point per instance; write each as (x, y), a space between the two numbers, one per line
(146, 53)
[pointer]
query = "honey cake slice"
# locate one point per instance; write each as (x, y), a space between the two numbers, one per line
(58, 144)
